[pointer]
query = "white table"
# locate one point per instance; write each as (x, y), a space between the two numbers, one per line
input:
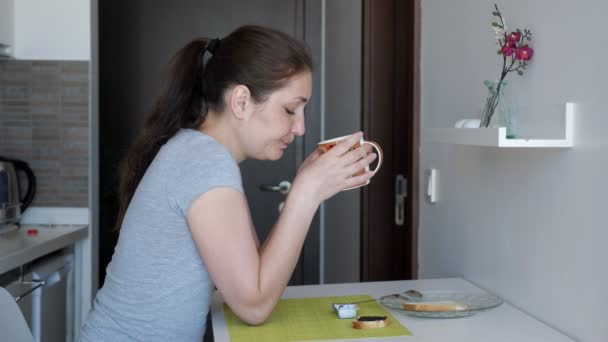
(502, 324)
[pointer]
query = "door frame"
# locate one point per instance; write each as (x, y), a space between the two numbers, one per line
(309, 14)
(390, 88)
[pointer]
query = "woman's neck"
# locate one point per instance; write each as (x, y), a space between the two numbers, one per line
(220, 130)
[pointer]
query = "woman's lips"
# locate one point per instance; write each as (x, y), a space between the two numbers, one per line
(285, 144)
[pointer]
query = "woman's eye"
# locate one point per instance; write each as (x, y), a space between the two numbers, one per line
(290, 112)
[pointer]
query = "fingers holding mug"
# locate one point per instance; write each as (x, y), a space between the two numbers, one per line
(342, 145)
(358, 180)
(356, 154)
(379, 152)
(354, 158)
(362, 165)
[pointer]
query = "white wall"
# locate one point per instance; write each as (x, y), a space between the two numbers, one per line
(529, 225)
(53, 30)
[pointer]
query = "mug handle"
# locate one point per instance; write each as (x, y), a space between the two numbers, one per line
(379, 151)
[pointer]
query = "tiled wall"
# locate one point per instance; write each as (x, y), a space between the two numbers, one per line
(44, 120)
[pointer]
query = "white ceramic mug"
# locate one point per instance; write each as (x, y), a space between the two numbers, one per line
(327, 145)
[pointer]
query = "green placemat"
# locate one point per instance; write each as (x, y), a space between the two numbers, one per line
(311, 319)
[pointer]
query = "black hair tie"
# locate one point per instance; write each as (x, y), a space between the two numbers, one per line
(212, 45)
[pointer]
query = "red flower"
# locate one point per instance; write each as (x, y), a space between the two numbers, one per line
(514, 37)
(512, 46)
(524, 53)
(507, 50)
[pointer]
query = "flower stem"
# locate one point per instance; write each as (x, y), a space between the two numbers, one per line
(491, 104)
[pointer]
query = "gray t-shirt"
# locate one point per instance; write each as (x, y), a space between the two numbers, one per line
(157, 287)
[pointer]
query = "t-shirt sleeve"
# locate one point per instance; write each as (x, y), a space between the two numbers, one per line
(196, 176)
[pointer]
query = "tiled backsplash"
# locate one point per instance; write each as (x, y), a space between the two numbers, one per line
(44, 120)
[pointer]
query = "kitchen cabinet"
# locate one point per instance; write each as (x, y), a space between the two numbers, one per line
(46, 30)
(47, 309)
(45, 252)
(7, 24)
(30, 242)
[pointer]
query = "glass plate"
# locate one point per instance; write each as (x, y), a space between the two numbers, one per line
(476, 302)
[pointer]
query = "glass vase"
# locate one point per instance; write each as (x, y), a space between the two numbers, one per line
(496, 111)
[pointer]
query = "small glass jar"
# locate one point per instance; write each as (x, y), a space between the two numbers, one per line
(346, 310)
(496, 111)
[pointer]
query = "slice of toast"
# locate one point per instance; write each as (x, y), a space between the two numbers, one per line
(435, 306)
(371, 322)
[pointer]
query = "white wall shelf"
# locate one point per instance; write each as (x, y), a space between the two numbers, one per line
(497, 137)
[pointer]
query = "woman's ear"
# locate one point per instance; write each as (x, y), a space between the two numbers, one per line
(239, 101)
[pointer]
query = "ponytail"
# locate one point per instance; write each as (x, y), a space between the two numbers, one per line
(180, 105)
(260, 58)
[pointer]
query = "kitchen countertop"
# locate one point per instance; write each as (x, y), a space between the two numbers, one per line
(18, 248)
(504, 323)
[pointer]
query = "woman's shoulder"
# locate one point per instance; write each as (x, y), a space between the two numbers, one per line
(196, 163)
(186, 138)
(192, 146)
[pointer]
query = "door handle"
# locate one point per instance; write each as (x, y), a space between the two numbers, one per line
(400, 195)
(36, 285)
(283, 187)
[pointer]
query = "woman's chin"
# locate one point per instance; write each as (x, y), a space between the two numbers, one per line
(272, 154)
(276, 154)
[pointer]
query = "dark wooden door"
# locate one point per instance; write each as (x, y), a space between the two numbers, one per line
(137, 39)
(390, 117)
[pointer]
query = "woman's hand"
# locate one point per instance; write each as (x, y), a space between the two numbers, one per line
(324, 174)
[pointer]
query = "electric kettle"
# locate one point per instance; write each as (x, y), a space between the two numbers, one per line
(13, 201)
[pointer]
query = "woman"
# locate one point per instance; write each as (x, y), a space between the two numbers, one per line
(184, 220)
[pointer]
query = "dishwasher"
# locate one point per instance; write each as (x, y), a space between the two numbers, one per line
(43, 292)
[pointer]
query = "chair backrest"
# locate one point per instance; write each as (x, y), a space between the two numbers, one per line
(13, 326)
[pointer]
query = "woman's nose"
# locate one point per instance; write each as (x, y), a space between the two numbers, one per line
(298, 128)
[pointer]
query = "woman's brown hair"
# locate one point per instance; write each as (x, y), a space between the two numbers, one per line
(260, 58)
